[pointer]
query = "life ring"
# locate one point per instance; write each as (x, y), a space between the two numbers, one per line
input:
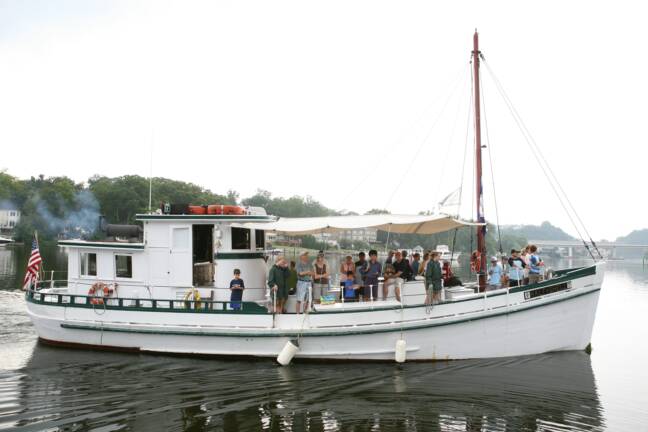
(475, 262)
(98, 291)
(220, 209)
(197, 210)
(192, 294)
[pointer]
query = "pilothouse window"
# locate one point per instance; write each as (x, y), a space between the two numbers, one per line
(123, 266)
(88, 264)
(240, 238)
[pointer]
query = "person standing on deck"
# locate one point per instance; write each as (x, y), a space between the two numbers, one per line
(416, 264)
(304, 281)
(236, 287)
(433, 278)
(524, 256)
(360, 269)
(535, 265)
(345, 267)
(426, 260)
(373, 271)
(292, 278)
(494, 275)
(516, 269)
(320, 278)
(278, 283)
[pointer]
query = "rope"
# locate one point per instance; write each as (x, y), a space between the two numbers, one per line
(378, 155)
(448, 148)
(420, 147)
(542, 162)
(490, 162)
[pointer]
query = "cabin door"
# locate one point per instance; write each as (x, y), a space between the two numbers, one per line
(180, 268)
(203, 255)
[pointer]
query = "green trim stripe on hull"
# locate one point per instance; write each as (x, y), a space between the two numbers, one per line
(306, 333)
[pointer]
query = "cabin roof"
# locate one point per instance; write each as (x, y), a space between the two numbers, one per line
(205, 217)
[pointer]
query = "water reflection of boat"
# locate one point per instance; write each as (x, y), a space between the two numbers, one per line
(114, 390)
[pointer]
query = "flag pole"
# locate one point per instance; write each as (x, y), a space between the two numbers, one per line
(41, 270)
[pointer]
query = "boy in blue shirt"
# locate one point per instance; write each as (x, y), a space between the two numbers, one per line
(349, 288)
(236, 287)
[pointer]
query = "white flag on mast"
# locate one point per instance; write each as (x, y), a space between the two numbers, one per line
(453, 199)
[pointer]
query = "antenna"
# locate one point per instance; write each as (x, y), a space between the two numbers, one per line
(151, 172)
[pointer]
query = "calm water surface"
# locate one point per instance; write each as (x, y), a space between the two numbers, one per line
(46, 388)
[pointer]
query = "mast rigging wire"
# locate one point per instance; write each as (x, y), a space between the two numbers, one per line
(378, 155)
(490, 162)
(420, 147)
(546, 169)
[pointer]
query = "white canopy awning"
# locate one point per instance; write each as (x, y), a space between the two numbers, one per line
(403, 224)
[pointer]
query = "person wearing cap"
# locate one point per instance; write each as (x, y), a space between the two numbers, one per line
(516, 269)
(278, 283)
(304, 282)
(236, 287)
(494, 274)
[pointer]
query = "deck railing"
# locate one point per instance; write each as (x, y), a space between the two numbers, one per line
(140, 304)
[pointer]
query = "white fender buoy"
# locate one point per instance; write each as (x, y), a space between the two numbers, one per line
(287, 353)
(401, 351)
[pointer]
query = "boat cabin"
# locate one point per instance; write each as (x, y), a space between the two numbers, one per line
(173, 253)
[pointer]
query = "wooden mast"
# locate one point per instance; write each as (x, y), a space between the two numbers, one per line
(481, 230)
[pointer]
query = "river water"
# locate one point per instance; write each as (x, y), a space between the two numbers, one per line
(56, 389)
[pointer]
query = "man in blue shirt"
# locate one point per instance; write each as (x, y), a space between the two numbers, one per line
(495, 275)
(535, 266)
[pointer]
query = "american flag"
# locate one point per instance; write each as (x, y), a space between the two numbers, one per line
(33, 265)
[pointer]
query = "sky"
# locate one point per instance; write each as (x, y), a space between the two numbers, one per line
(359, 104)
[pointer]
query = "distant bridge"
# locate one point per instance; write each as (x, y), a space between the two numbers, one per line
(610, 247)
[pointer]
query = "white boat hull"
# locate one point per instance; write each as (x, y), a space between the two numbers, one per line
(497, 324)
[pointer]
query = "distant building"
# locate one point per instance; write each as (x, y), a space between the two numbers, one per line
(9, 218)
(367, 235)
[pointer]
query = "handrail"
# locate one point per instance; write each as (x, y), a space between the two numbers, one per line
(142, 303)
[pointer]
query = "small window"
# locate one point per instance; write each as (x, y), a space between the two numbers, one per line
(240, 238)
(259, 239)
(88, 264)
(180, 239)
(123, 266)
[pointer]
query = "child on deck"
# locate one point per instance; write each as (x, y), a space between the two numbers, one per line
(350, 287)
(236, 287)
